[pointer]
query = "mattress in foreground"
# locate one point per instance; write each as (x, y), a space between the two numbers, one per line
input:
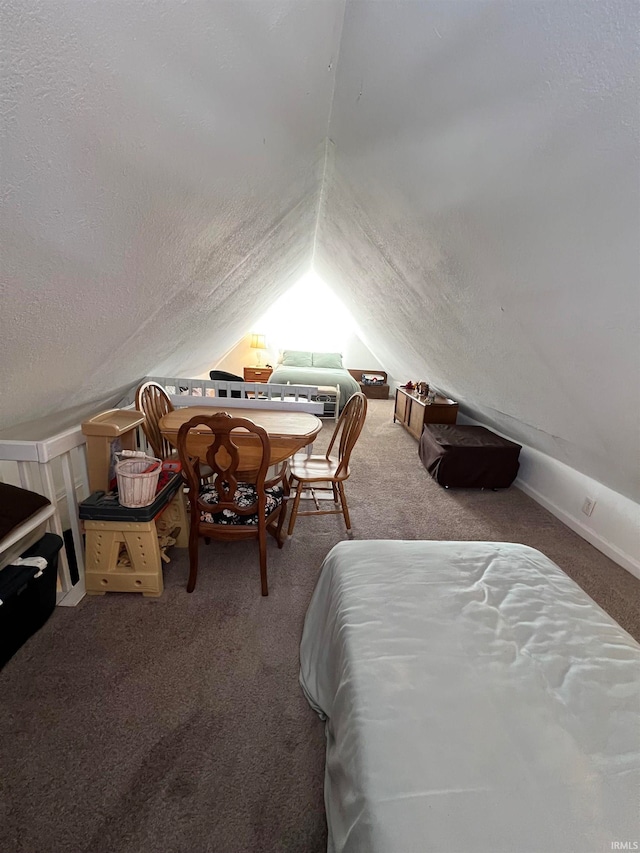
(476, 701)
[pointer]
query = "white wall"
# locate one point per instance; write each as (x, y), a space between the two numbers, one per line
(614, 524)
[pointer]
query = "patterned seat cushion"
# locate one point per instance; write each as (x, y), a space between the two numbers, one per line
(245, 496)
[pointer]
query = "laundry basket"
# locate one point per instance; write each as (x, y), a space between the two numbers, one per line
(137, 475)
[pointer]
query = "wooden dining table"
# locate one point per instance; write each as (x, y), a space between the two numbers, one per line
(288, 433)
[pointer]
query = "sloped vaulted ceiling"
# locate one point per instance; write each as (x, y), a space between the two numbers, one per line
(167, 173)
(161, 166)
(481, 214)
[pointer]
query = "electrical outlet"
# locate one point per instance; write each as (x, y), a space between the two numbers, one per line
(588, 505)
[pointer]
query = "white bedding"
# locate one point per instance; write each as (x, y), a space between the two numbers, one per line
(476, 701)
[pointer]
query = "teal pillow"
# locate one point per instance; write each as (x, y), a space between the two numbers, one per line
(327, 359)
(296, 358)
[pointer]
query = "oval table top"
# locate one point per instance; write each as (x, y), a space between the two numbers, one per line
(288, 431)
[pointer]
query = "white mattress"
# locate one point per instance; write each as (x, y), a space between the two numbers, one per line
(476, 701)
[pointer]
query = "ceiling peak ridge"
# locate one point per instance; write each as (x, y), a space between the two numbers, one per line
(345, 197)
(334, 61)
(328, 167)
(329, 145)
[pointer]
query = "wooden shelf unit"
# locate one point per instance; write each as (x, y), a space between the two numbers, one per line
(414, 411)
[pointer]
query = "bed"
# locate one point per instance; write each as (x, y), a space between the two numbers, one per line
(315, 368)
(476, 701)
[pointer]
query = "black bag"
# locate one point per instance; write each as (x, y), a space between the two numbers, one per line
(227, 377)
(28, 596)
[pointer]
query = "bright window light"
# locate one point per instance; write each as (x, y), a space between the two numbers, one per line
(309, 316)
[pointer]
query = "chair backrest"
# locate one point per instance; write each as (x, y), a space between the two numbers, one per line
(223, 374)
(347, 430)
(154, 402)
(224, 453)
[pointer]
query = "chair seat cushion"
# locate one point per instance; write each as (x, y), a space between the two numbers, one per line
(245, 496)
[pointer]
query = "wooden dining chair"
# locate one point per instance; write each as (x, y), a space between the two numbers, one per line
(308, 474)
(228, 508)
(153, 401)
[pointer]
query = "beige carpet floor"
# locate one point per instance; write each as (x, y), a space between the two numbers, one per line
(176, 725)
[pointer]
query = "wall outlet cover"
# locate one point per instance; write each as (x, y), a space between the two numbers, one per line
(588, 505)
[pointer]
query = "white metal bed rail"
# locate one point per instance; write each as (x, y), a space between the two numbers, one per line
(183, 391)
(248, 395)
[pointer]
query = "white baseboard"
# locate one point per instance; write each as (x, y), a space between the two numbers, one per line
(627, 561)
(73, 596)
(614, 525)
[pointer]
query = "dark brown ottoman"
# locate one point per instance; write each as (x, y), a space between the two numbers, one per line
(468, 457)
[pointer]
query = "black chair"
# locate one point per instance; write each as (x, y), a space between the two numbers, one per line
(227, 377)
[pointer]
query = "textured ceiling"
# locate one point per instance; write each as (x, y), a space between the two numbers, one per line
(161, 167)
(482, 214)
(166, 175)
